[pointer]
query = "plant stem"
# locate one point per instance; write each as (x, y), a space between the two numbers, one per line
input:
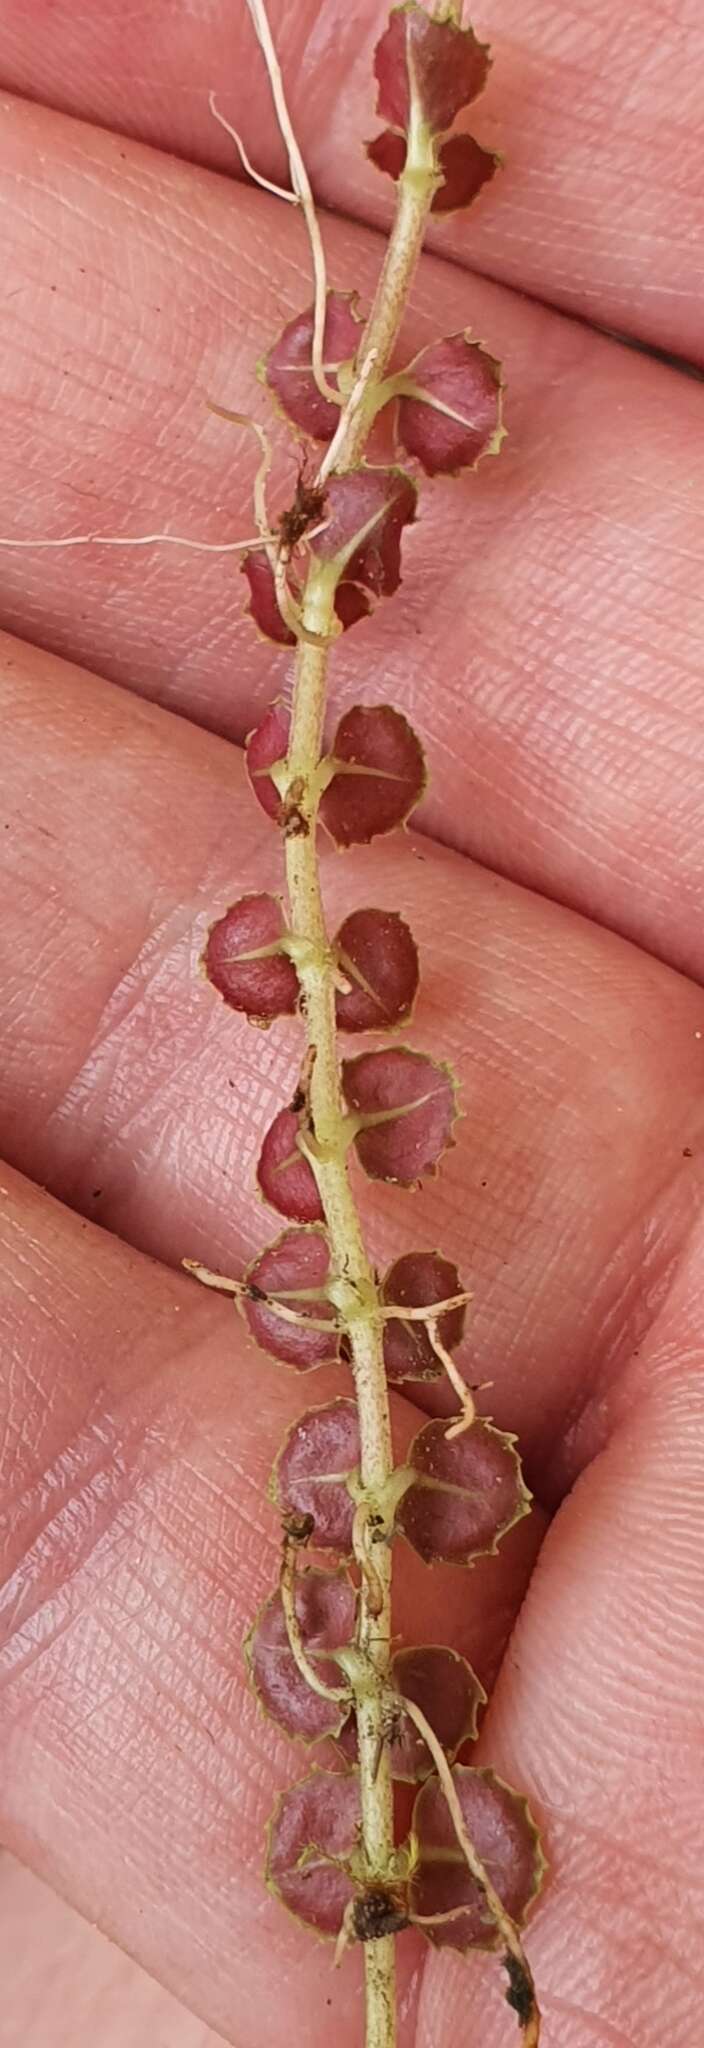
(353, 1288)
(416, 188)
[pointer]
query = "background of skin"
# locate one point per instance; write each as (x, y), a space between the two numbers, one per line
(548, 650)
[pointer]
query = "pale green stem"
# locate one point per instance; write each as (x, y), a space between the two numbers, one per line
(353, 1287)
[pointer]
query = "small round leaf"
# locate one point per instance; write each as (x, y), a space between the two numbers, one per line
(243, 961)
(319, 1455)
(467, 1494)
(505, 1837)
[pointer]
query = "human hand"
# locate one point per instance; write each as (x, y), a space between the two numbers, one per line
(544, 646)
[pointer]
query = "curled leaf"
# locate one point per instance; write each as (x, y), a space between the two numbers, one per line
(449, 410)
(326, 1606)
(264, 747)
(292, 1272)
(405, 1103)
(313, 1833)
(263, 603)
(288, 368)
(463, 165)
(467, 1494)
(378, 957)
(503, 1833)
(319, 1455)
(380, 775)
(447, 1690)
(365, 513)
(427, 69)
(415, 1281)
(285, 1178)
(244, 961)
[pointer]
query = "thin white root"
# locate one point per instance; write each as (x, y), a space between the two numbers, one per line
(338, 1694)
(354, 401)
(430, 1314)
(261, 513)
(301, 186)
(346, 1935)
(137, 540)
(279, 191)
(459, 1386)
(505, 1927)
(222, 1284)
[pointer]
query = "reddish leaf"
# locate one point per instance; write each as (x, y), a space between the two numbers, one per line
(263, 604)
(378, 956)
(263, 987)
(351, 604)
(264, 747)
(314, 1830)
(448, 1692)
(504, 1835)
(469, 1491)
(449, 411)
(464, 166)
(326, 1607)
(406, 1103)
(288, 367)
(285, 1178)
(388, 152)
(359, 804)
(310, 1476)
(365, 514)
(293, 1270)
(415, 1281)
(431, 67)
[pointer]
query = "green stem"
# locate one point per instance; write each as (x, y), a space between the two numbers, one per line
(353, 1286)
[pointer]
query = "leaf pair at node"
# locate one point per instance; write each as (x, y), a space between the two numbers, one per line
(315, 1863)
(286, 1300)
(461, 1495)
(427, 71)
(371, 780)
(248, 960)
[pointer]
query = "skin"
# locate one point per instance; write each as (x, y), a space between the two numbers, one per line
(545, 646)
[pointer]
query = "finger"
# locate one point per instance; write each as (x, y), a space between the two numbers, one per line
(598, 1717)
(598, 208)
(549, 626)
(137, 1433)
(64, 1982)
(128, 1088)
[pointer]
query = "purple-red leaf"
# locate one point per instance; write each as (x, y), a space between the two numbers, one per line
(285, 1177)
(263, 602)
(467, 1493)
(388, 152)
(416, 1280)
(292, 1271)
(289, 370)
(264, 986)
(406, 1103)
(506, 1840)
(310, 1477)
(264, 747)
(464, 166)
(430, 67)
(448, 1692)
(380, 775)
(326, 1606)
(378, 957)
(365, 514)
(312, 1835)
(449, 411)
